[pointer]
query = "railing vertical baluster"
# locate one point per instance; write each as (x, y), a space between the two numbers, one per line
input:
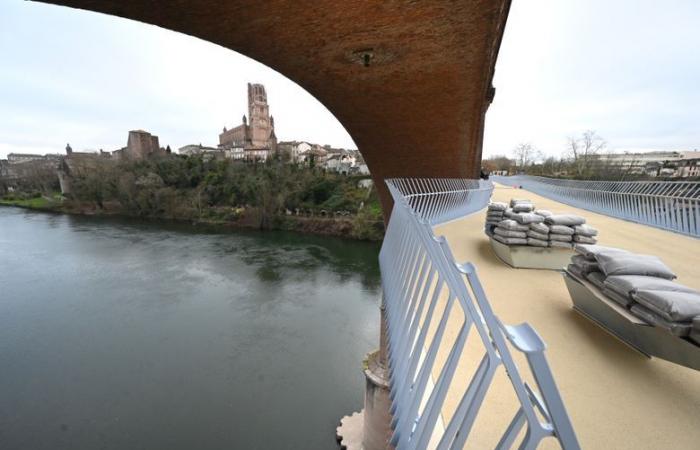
(670, 205)
(423, 288)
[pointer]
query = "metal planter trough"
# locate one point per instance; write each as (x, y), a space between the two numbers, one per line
(590, 302)
(528, 257)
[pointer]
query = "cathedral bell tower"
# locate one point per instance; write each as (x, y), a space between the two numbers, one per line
(261, 128)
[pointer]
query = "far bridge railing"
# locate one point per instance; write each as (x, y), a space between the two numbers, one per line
(436, 308)
(670, 205)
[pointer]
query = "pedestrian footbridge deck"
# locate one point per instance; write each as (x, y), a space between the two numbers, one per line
(616, 397)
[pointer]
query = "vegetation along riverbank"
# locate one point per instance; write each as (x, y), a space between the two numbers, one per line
(266, 196)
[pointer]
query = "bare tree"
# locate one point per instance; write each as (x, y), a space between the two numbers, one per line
(631, 167)
(616, 168)
(584, 150)
(38, 175)
(525, 154)
(498, 163)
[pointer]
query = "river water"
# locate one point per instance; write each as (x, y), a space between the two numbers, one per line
(118, 334)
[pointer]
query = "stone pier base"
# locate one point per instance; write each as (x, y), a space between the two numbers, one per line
(369, 429)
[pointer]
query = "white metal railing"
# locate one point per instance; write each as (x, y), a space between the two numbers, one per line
(671, 205)
(424, 289)
(438, 200)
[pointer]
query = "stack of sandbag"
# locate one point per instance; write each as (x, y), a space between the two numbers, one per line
(585, 234)
(510, 232)
(541, 228)
(530, 219)
(671, 310)
(494, 214)
(643, 284)
(566, 229)
(538, 234)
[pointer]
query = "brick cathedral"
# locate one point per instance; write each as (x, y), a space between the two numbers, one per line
(256, 135)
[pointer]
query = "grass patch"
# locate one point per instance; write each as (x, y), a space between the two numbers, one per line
(33, 203)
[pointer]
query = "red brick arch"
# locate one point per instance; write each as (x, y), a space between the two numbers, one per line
(409, 80)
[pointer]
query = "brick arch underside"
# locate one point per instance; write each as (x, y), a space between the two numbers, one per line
(417, 110)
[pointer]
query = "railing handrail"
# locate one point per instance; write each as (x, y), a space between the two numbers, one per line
(670, 205)
(422, 285)
(620, 182)
(448, 196)
(642, 187)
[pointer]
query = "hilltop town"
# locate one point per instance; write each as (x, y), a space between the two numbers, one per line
(253, 141)
(247, 179)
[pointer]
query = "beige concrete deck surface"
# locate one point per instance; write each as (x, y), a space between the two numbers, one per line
(616, 397)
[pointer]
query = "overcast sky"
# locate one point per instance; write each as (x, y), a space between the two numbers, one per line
(629, 69)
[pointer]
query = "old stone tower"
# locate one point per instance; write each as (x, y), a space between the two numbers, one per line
(256, 135)
(141, 144)
(259, 114)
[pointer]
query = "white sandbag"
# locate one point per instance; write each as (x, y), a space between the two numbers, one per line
(540, 228)
(528, 218)
(597, 278)
(633, 264)
(513, 201)
(535, 235)
(628, 284)
(560, 237)
(561, 229)
(585, 265)
(672, 306)
(509, 240)
(560, 244)
(497, 206)
(589, 251)
(510, 233)
(680, 329)
(585, 239)
(523, 207)
(565, 219)
(585, 230)
(509, 224)
(543, 212)
(537, 242)
(621, 300)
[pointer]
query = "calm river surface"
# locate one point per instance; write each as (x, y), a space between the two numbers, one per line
(119, 334)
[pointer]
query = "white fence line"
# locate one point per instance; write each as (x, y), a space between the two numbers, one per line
(423, 287)
(670, 205)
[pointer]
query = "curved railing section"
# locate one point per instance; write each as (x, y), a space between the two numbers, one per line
(439, 200)
(426, 295)
(670, 205)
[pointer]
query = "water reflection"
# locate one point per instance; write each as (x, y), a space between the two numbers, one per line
(125, 334)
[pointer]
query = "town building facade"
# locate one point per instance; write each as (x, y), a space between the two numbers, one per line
(196, 149)
(671, 164)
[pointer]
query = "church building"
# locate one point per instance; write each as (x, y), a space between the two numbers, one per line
(256, 138)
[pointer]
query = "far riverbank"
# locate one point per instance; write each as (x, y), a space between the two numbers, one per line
(348, 227)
